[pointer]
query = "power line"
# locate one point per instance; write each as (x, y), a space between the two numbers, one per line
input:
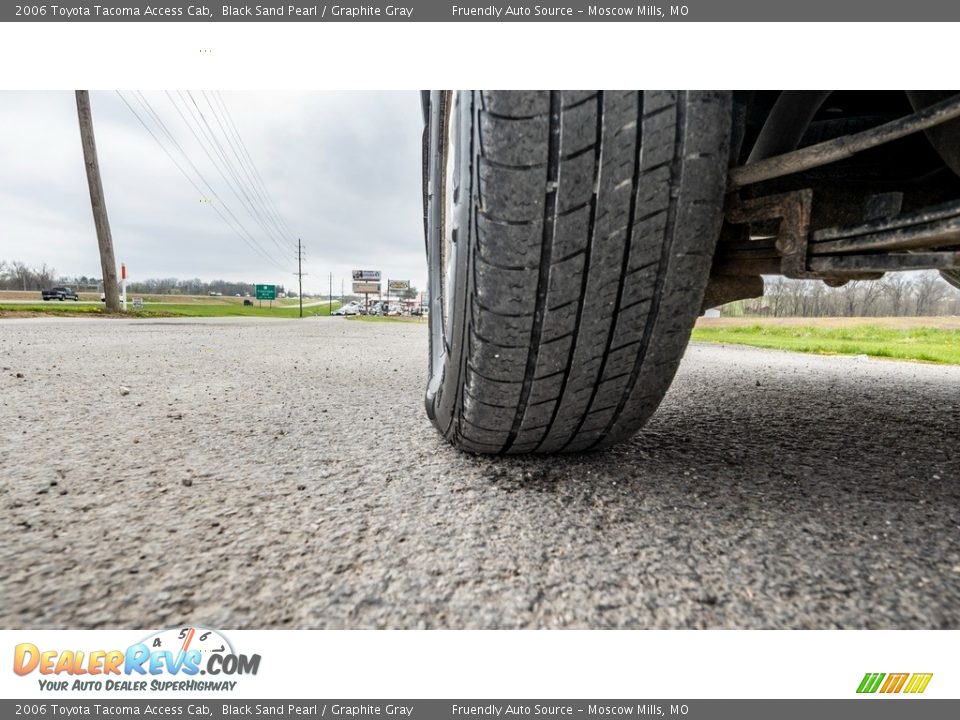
(235, 225)
(209, 138)
(217, 115)
(251, 207)
(252, 164)
(165, 129)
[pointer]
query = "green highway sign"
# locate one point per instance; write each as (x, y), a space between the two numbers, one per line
(266, 292)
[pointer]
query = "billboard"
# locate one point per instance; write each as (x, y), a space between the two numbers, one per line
(398, 284)
(366, 276)
(362, 288)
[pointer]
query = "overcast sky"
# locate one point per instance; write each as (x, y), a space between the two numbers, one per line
(342, 168)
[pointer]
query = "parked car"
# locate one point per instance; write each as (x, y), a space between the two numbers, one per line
(59, 293)
(573, 237)
(351, 308)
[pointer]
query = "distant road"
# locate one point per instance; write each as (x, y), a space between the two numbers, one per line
(253, 474)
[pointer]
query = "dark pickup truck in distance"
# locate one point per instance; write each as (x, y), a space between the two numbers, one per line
(59, 293)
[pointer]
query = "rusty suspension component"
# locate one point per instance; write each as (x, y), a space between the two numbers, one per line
(921, 240)
(844, 147)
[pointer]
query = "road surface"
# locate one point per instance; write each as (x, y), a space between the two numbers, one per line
(243, 473)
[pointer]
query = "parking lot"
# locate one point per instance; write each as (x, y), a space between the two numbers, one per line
(244, 473)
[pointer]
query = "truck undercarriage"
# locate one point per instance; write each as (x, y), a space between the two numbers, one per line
(839, 186)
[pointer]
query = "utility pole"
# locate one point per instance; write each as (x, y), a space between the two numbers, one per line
(330, 296)
(300, 273)
(108, 263)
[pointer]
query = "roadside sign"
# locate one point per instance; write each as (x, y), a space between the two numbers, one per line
(366, 276)
(266, 292)
(138, 303)
(361, 288)
(399, 285)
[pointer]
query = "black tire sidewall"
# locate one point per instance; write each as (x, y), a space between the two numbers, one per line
(448, 354)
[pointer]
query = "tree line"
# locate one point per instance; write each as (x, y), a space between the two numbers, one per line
(17, 275)
(896, 294)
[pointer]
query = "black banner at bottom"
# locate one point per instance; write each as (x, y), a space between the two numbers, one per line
(873, 707)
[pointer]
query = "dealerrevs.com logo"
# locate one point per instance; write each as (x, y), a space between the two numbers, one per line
(170, 660)
(889, 683)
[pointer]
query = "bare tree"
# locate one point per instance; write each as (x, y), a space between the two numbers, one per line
(928, 290)
(850, 298)
(896, 288)
(870, 293)
(22, 275)
(897, 294)
(46, 276)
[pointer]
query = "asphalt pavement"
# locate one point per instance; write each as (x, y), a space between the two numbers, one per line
(241, 473)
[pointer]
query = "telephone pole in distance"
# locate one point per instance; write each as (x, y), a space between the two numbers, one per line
(300, 273)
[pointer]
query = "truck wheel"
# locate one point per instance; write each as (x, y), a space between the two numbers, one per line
(569, 240)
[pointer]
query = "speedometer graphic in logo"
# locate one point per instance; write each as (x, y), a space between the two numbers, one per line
(183, 639)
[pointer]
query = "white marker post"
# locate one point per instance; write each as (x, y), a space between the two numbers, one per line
(123, 286)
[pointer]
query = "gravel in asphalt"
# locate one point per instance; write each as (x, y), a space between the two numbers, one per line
(282, 474)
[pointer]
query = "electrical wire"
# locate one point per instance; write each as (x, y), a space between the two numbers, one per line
(251, 184)
(253, 166)
(233, 222)
(209, 141)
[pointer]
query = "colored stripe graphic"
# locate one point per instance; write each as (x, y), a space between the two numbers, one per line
(918, 682)
(895, 683)
(870, 682)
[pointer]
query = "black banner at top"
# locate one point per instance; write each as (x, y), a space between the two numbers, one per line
(480, 11)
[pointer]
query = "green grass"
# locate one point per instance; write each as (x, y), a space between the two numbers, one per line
(56, 308)
(174, 310)
(923, 344)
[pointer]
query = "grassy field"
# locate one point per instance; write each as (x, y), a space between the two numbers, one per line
(935, 340)
(167, 309)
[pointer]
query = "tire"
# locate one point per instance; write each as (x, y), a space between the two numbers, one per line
(569, 240)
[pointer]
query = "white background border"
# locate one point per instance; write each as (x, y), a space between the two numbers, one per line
(574, 664)
(664, 664)
(380, 56)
